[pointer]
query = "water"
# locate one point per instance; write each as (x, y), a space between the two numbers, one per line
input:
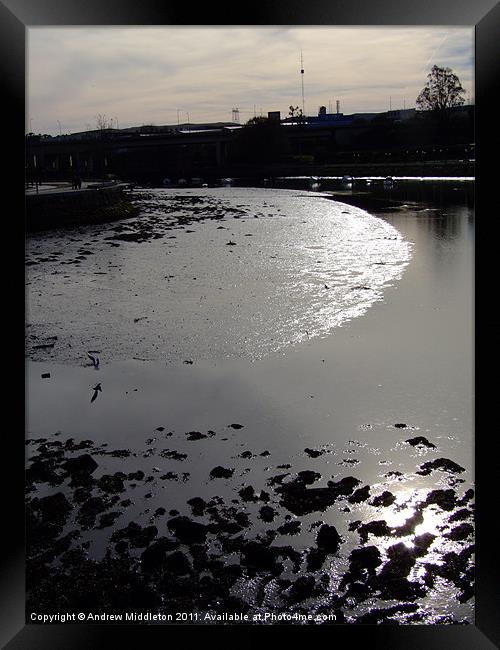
(388, 341)
(283, 267)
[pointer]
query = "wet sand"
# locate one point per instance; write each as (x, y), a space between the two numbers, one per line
(331, 474)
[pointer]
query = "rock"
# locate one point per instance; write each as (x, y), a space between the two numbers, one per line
(443, 464)
(136, 476)
(420, 441)
(401, 561)
(301, 501)
(367, 558)
(259, 556)
(445, 499)
(108, 519)
(195, 435)
(461, 532)
(328, 539)
(136, 535)
(267, 514)
(248, 494)
(308, 477)
(379, 528)
(360, 495)
(385, 499)
(221, 472)
(177, 564)
(83, 464)
(303, 588)
(111, 483)
(314, 453)
(460, 515)
(422, 543)
(400, 425)
(236, 426)
(187, 531)
(315, 559)
(198, 506)
(153, 558)
(290, 528)
(54, 508)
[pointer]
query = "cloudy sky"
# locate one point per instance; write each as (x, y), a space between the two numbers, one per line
(157, 75)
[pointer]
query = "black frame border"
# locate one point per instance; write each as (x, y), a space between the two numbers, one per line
(15, 17)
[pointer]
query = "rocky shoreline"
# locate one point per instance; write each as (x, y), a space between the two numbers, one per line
(258, 551)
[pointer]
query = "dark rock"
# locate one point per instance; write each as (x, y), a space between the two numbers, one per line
(195, 435)
(443, 464)
(401, 561)
(259, 556)
(328, 539)
(420, 441)
(379, 528)
(385, 499)
(108, 519)
(187, 531)
(83, 464)
(153, 558)
(303, 588)
(267, 514)
(315, 559)
(301, 500)
(422, 543)
(136, 536)
(307, 477)
(409, 525)
(54, 508)
(360, 495)
(445, 499)
(461, 532)
(290, 528)
(236, 426)
(174, 455)
(314, 453)
(198, 506)
(177, 564)
(460, 515)
(111, 483)
(136, 476)
(221, 472)
(400, 425)
(248, 494)
(367, 558)
(469, 494)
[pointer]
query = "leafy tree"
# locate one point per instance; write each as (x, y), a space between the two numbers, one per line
(296, 112)
(443, 90)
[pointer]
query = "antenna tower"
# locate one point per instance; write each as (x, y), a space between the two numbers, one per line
(302, 78)
(236, 115)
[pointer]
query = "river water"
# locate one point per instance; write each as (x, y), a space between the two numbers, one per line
(302, 318)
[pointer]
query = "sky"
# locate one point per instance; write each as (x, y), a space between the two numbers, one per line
(166, 75)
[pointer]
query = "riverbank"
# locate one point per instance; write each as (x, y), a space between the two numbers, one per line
(60, 207)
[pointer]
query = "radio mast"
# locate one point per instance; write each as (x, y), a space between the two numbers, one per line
(302, 78)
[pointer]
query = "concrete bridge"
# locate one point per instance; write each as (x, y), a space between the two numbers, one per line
(101, 153)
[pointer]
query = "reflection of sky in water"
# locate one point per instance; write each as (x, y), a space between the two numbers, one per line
(304, 266)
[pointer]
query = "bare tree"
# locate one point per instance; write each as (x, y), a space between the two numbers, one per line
(102, 122)
(443, 90)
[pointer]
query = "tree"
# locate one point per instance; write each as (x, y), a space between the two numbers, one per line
(443, 90)
(297, 113)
